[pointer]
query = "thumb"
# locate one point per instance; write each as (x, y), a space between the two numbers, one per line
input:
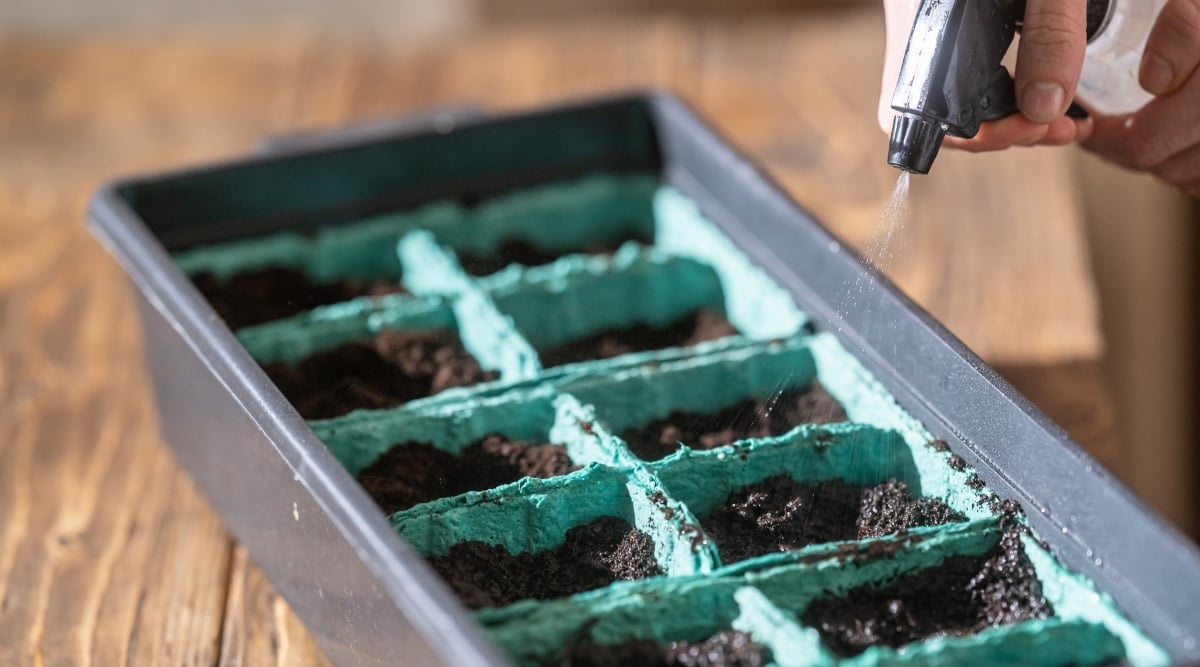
(1050, 57)
(900, 15)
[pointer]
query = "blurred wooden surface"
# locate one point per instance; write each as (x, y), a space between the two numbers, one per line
(107, 553)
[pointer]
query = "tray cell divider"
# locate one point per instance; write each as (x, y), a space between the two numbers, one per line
(292, 339)
(854, 453)
(791, 588)
(490, 335)
(1056, 642)
(755, 303)
(580, 295)
(633, 396)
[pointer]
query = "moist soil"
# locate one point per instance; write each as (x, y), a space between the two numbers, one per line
(754, 418)
(781, 514)
(520, 251)
(593, 556)
(728, 648)
(393, 368)
(703, 325)
(416, 472)
(962, 596)
(262, 295)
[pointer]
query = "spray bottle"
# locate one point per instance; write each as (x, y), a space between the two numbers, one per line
(951, 79)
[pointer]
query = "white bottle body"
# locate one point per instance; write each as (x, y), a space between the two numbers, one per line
(1109, 83)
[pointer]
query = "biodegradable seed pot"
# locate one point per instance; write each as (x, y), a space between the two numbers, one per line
(705, 448)
(579, 408)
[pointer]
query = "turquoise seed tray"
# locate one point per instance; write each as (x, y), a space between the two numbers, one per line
(358, 578)
(525, 309)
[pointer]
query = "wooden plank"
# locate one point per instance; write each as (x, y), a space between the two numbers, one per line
(260, 629)
(107, 554)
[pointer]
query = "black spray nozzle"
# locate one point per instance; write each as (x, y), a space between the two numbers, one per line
(915, 143)
(951, 79)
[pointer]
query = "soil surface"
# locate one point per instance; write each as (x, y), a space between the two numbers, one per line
(593, 556)
(754, 418)
(890, 508)
(703, 325)
(416, 472)
(273, 293)
(393, 368)
(781, 514)
(729, 648)
(963, 595)
(520, 251)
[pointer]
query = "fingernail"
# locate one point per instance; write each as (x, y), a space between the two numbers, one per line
(1042, 101)
(1155, 74)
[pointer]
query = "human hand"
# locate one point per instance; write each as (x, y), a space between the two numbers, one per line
(1049, 61)
(1162, 137)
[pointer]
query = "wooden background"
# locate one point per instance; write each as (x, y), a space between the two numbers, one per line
(107, 553)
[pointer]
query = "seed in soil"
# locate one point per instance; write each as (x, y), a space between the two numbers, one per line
(416, 472)
(780, 514)
(961, 596)
(391, 369)
(754, 418)
(728, 648)
(261, 295)
(593, 556)
(703, 325)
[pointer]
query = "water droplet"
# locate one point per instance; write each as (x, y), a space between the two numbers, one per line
(1089, 553)
(1065, 530)
(880, 250)
(834, 246)
(1099, 562)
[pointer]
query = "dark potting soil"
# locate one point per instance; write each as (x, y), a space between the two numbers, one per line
(393, 368)
(416, 472)
(592, 556)
(728, 648)
(703, 325)
(520, 251)
(272, 293)
(754, 418)
(963, 595)
(781, 514)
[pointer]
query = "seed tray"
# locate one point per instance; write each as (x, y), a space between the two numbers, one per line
(709, 231)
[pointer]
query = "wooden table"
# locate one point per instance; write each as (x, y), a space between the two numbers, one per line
(107, 553)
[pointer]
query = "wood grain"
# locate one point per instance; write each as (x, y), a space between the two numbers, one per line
(108, 555)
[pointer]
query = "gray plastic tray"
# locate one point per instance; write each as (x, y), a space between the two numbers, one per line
(367, 597)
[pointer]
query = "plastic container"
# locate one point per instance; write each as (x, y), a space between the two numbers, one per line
(1109, 81)
(366, 593)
